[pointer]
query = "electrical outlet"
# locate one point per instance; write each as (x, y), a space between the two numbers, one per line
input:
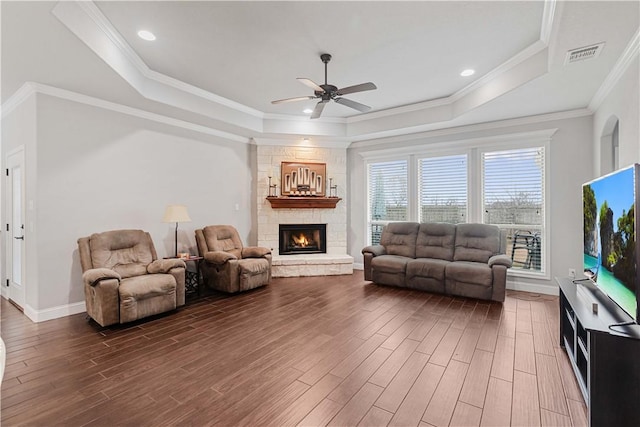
(572, 273)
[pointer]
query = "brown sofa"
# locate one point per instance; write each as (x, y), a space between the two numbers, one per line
(228, 266)
(124, 280)
(464, 259)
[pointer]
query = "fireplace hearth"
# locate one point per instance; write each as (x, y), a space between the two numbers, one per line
(302, 239)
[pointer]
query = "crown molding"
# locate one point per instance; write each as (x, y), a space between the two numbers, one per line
(21, 95)
(521, 121)
(291, 118)
(548, 15)
(531, 137)
(620, 67)
(299, 142)
(30, 88)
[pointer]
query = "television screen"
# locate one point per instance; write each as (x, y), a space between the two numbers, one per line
(610, 250)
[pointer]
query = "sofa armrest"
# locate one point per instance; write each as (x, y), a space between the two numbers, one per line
(375, 250)
(255, 252)
(165, 265)
(218, 257)
(93, 276)
(500, 259)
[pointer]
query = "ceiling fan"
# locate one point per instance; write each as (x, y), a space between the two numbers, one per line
(327, 92)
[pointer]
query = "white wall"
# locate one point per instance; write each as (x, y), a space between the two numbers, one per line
(623, 102)
(99, 170)
(570, 161)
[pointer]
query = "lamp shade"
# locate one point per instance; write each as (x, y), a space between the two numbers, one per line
(176, 213)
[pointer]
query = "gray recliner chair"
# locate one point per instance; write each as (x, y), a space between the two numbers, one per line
(228, 266)
(124, 280)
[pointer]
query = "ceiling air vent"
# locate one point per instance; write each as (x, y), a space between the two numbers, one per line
(582, 53)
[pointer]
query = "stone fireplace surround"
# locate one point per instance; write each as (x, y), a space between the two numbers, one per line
(336, 261)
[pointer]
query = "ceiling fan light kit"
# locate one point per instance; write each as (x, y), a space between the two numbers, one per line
(327, 92)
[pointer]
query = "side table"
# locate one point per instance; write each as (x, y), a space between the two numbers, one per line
(192, 279)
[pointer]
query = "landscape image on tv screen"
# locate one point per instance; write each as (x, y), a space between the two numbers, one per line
(609, 236)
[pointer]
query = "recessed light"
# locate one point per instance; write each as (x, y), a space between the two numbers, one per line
(307, 111)
(146, 35)
(468, 72)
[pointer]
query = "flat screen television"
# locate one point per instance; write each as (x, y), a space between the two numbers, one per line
(611, 250)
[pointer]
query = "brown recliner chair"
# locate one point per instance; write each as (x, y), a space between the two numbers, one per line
(124, 280)
(227, 265)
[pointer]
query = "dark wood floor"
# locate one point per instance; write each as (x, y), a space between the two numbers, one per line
(309, 351)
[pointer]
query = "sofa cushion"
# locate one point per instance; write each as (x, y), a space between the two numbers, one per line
(476, 242)
(147, 286)
(426, 267)
(253, 272)
(399, 238)
(253, 266)
(389, 270)
(426, 274)
(436, 240)
(390, 264)
(476, 273)
(127, 252)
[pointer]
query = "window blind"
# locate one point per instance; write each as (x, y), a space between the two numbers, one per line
(388, 195)
(513, 182)
(513, 199)
(442, 187)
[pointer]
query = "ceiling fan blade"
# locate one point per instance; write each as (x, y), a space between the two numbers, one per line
(308, 82)
(299, 98)
(353, 104)
(318, 110)
(356, 88)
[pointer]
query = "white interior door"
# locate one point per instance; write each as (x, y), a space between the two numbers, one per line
(15, 196)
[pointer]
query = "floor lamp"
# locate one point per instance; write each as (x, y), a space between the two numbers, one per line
(176, 213)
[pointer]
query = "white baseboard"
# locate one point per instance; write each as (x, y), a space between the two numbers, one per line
(532, 287)
(4, 292)
(54, 312)
(358, 266)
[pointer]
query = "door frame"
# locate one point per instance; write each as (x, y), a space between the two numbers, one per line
(12, 158)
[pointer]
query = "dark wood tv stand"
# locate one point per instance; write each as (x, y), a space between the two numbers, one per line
(606, 362)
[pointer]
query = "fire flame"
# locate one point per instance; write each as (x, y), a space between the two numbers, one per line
(300, 240)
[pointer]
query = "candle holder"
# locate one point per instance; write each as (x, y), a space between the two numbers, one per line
(333, 189)
(273, 189)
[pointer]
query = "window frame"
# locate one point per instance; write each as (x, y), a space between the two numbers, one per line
(368, 221)
(545, 266)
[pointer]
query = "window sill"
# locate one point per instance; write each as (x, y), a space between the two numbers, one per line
(529, 274)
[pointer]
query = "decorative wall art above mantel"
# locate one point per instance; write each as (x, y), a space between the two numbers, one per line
(303, 179)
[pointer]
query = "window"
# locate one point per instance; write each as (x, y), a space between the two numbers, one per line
(388, 195)
(513, 199)
(442, 188)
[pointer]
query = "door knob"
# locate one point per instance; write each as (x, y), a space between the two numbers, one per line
(19, 238)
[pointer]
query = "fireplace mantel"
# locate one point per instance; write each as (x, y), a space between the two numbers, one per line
(303, 202)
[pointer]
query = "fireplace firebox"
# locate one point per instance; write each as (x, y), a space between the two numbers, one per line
(303, 239)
